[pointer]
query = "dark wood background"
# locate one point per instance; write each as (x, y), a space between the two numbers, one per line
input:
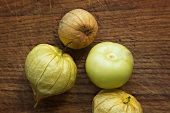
(143, 26)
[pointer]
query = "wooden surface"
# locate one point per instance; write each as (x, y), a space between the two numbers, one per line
(143, 26)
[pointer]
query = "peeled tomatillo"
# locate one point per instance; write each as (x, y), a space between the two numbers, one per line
(109, 65)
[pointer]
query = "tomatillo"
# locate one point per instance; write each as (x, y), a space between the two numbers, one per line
(109, 65)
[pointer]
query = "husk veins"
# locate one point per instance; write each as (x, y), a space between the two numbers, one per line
(50, 71)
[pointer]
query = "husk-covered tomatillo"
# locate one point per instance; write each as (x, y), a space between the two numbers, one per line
(115, 101)
(77, 27)
(50, 71)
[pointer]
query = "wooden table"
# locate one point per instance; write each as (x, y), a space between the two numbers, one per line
(143, 26)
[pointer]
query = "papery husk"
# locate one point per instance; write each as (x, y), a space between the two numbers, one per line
(77, 27)
(115, 101)
(49, 71)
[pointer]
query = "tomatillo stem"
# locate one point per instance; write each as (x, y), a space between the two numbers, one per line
(127, 100)
(66, 47)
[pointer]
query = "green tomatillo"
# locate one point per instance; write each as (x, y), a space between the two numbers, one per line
(109, 65)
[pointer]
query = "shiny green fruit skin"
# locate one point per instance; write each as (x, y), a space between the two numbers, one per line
(109, 65)
(49, 71)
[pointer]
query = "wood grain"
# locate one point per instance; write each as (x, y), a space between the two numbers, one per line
(143, 26)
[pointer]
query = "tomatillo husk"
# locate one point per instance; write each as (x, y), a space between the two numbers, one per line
(77, 27)
(49, 71)
(115, 101)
